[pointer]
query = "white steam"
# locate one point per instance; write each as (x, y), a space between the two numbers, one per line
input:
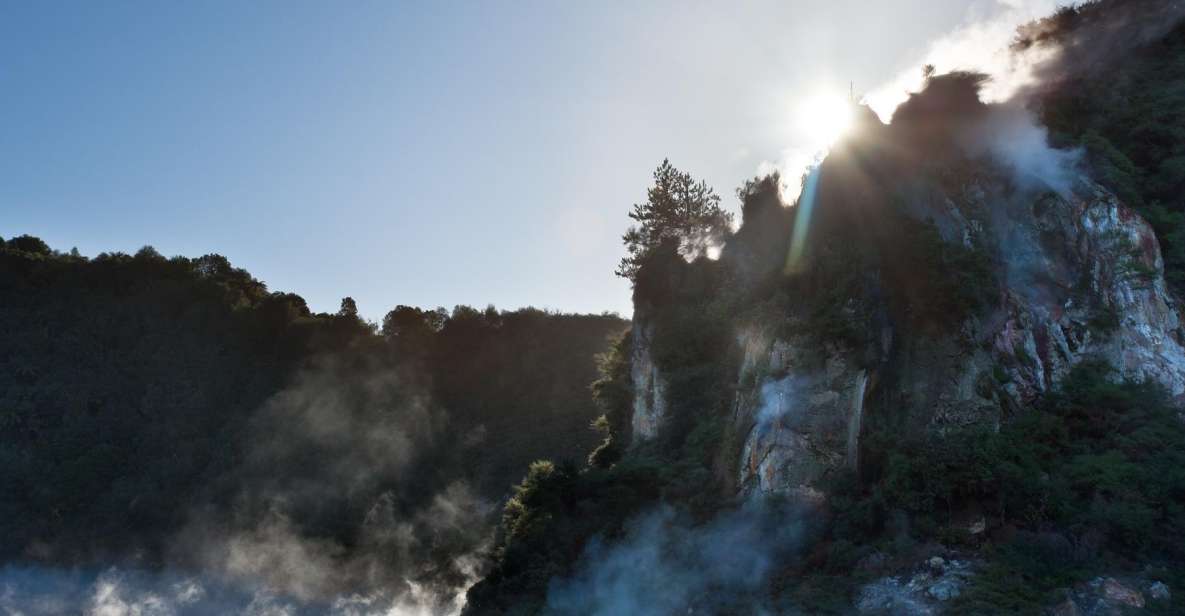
(793, 167)
(34, 591)
(351, 446)
(979, 45)
(781, 402)
(666, 565)
(1012, 136)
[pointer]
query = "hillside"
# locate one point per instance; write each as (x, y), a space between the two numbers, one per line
(164, 411)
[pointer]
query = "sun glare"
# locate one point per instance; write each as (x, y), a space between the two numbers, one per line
(825, 118)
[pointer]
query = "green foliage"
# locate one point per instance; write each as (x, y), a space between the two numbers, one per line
(1129, 120)
(930, 478)
(519, 381)
(614, 394)
(834, 292)
(1087, 481)
(935, 281)
(1010, 584)
(677, 209)
(1096, 463)
(555, 511)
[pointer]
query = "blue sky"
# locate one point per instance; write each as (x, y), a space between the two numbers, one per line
(427, 154)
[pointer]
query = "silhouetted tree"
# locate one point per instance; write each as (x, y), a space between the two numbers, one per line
(677, 208)
(29, 244)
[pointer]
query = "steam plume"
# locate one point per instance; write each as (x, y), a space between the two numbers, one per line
(351, 492)
(981, 45)
(666, 565)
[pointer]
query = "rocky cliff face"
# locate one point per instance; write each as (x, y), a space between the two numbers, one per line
(1077, 275)
(1082, 277)
(649, 386)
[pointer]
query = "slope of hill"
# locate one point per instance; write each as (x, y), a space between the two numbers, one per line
(172, 411)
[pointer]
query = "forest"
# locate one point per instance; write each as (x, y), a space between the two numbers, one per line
(146, 400)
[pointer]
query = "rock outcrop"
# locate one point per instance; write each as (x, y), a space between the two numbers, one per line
(1082, 277)
(1077, 275)
(921, 591)
(1110, 596)
(650, 402)
(802, 418)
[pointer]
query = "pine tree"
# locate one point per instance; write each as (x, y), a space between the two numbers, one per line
(677, 208)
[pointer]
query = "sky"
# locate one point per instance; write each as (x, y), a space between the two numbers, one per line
(428, 154)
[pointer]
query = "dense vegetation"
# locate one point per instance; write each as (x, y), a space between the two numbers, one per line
(1127, 113)
(137, 390)
(1090, 480)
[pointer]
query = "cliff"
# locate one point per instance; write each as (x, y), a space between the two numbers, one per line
(946, 378)
(965, 292)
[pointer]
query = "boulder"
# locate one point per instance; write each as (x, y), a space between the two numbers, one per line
(1116, 592)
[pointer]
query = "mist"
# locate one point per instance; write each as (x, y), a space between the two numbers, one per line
(40, 591)
(1020, 51)
(982, 45)
(351, 490)
(666, 564)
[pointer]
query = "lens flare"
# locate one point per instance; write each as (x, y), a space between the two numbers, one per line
(802, 222)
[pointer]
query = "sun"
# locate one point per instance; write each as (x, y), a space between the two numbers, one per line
(824, 119)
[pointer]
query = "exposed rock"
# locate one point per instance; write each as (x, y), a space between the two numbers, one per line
(1109, 596)
(890, 596)
(1076, 275)
(1102, 596)
(1065, 260)
(1115, 591)
(943, 590)
(800, 418)
(930, 585)
(650, 405)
